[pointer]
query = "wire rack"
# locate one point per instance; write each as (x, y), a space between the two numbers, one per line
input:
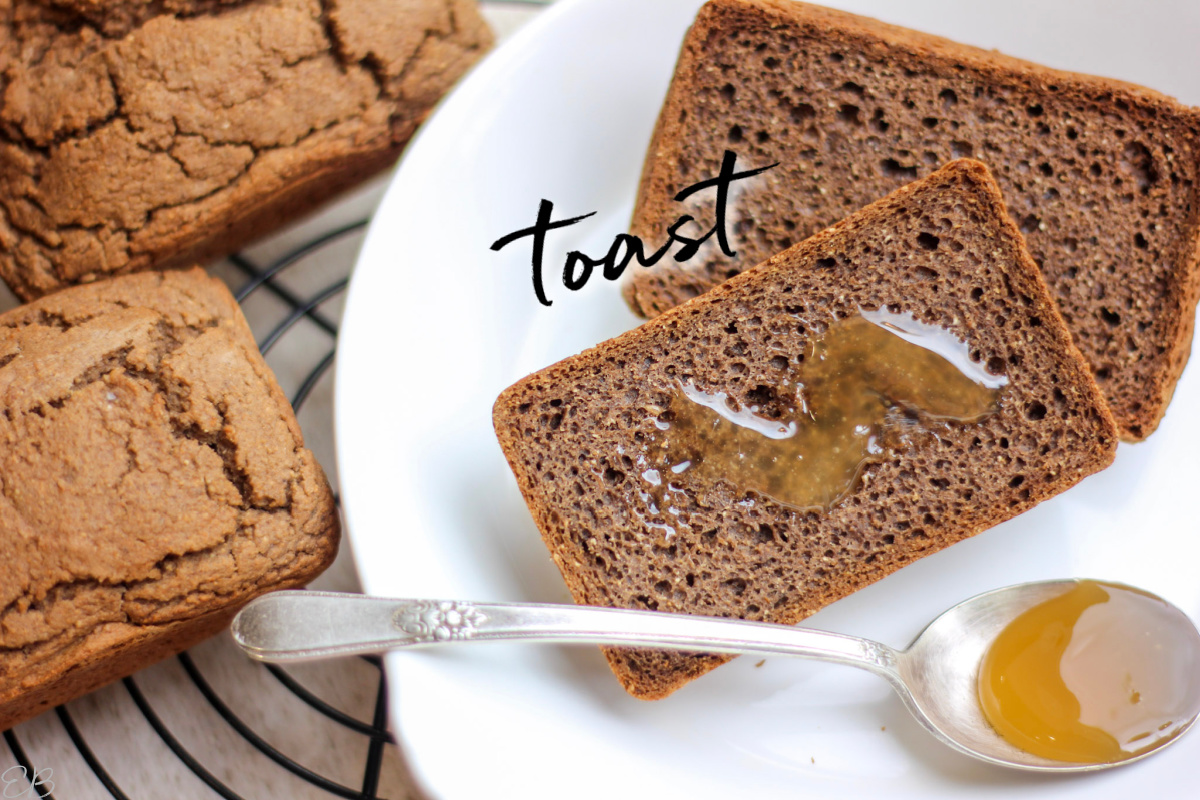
(374, 732)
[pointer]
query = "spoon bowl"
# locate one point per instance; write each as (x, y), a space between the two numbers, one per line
(937, 676)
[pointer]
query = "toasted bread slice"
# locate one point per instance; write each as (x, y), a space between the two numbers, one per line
(942, 250)
(1100, 175)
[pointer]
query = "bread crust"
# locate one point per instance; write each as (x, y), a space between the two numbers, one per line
(165, 133)
(153, 479)
(1129, 179)
(570, 432)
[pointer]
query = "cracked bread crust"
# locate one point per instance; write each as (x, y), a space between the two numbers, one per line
(942, 249)
(153, 479)
(168, 132)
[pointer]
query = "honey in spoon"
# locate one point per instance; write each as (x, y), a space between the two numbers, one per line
(1091, 676)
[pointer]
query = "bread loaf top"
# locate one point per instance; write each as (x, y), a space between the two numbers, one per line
(943, 250)
(151, 470)
(1100, 175)
(168, 132)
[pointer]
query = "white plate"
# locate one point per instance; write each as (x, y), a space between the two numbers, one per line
(437, 324)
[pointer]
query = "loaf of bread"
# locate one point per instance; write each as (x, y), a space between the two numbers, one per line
(1100, 176)
(152, 480)
(943, 250)
(165, 133)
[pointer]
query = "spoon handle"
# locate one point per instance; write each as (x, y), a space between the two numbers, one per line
(302, 625)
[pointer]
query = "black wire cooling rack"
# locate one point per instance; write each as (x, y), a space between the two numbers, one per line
(374, 732)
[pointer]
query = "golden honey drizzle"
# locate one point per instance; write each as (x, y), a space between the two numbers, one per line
(1094, 675)
(840, 399)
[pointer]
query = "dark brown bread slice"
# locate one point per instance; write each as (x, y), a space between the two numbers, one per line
(943, 250)
(167, 132)
(152, 480)
(1101, 176)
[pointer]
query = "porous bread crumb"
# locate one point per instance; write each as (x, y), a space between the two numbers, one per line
(1100, 176)
(571, 432)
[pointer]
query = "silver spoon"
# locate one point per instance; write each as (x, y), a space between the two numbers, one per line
(936, 676)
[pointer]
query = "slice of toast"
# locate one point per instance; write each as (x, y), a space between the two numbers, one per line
(1100, 176)
(942, 250)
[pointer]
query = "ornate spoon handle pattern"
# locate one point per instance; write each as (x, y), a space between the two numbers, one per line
(300, 625)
